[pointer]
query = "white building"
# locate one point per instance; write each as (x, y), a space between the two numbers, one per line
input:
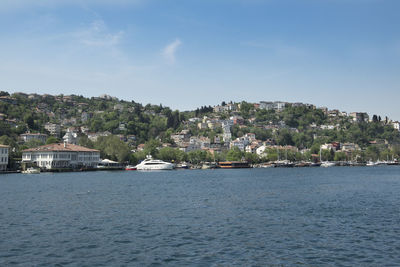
(277, 105)
(70, 137)
(260, 150)
(32, 136)
(61, 156)
(4, 150)
(396, 125)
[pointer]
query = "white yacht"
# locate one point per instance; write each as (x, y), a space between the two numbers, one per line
(154, 164)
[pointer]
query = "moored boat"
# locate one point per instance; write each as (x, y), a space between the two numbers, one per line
(31, 170)
(182, 165)
(130, 168)
(371, 163)
(233, 164)
(154, 164)
(328, 164)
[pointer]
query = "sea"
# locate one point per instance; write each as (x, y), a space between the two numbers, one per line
(339, 216)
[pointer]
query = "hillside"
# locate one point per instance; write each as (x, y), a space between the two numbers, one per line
(218, 131)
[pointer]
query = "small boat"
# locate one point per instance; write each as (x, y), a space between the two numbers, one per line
(208, 165)
(130, 168)
(302, 164)
(327, 164)
(182, 165)
(31, 170)
(267, 165)
(371, 163)
(284, 163)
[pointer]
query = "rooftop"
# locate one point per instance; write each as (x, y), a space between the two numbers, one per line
(61, 147)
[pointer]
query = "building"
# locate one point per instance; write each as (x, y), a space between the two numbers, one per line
(331, 146)
(53, 129)
(4, 150)
(94, 136)
(277, 105)
(122, 127)
(202, 125)
(70, 137)
(218, 109)
(61, 156)
(266, 105)
(349, 147)
(396, 125)
(34, 136)
(8, 99)
(359, 116)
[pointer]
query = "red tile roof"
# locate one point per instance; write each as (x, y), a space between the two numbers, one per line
(60, 147)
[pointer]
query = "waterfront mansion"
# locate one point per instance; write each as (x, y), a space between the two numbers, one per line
(54, 156)
(3, 157)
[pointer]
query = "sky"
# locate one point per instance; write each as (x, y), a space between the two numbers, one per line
(342, 54)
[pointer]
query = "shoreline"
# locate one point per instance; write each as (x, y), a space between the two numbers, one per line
(199, 167)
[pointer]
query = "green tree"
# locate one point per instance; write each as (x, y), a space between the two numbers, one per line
(85, 141)
(113, 148)
(340, 156)
(33, 143)
(234, 154)
(51, 140)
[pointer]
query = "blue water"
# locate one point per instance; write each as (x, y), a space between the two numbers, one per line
(340, 216)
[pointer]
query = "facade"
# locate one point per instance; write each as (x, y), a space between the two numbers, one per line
(31, 136)
(266, 105)
(277, 105)
(61, 156)
(70, 137)
(54, 129)
(396, 125)
(349, 147)
(4, 151)
(359, 116)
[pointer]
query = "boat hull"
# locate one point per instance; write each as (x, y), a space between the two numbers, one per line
(233, 165)
(155, 167)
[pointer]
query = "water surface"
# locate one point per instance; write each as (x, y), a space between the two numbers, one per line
(255, 217)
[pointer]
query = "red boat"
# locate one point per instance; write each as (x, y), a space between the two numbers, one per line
(130, 168)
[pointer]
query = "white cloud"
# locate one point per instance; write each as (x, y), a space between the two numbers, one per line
(170, 50)
(98, 35)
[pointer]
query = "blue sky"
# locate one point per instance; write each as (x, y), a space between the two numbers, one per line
(184, 54)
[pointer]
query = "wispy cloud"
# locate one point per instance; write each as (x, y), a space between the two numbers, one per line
(97, 34)
(170, 50)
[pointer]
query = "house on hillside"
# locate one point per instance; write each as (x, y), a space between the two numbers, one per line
(396, 125)
(53, 129)
(359, 116)
(26, 137)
